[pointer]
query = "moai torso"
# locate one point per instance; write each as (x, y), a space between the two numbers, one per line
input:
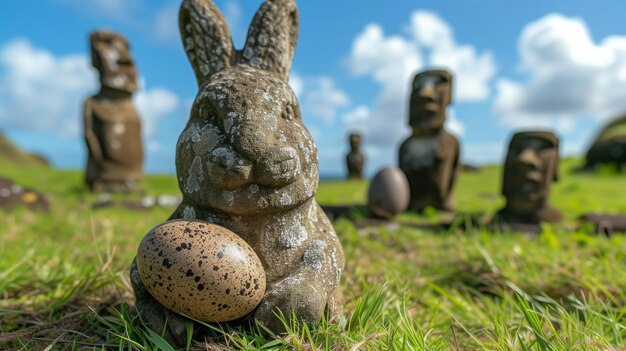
(530, 168)
(246, 162)
(430, 157)
(355, 160)
(111, 122)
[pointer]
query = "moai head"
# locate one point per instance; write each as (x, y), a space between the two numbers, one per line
(531, 166)
(355, 142)
(110, 55)
(431, 94)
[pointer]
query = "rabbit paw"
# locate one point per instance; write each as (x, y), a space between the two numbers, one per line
(170, 325)
(299, 300)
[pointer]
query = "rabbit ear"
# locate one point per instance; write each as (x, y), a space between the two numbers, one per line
(206, 38)
(272, 37)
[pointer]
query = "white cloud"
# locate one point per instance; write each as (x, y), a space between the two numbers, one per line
(453, 124)
(472, 71)
(323, 99)
(569, 76)
(44, 93)
(392, 61)
(429, 29)
(389, 61)
(319, 97)
(153, 106)
(356, 119)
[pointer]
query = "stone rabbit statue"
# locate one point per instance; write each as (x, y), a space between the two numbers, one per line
(245, 161)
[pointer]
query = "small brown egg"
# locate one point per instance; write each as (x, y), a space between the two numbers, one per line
(389, 193)
(201, 270)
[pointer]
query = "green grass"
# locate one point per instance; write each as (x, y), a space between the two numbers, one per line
(64, 283)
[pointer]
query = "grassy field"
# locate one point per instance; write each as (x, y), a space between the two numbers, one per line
(64, 284)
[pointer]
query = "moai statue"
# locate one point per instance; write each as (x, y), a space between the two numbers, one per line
(430, 156)
(111, 122)
(355, 159)
(245, 161)
(532, 164)
(610, 146)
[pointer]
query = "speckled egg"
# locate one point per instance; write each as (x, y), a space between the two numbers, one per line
(389, 193)
(201, 270)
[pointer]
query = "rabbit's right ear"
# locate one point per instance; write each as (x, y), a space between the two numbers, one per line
(206, 38)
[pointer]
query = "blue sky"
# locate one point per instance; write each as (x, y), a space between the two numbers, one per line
(547, 64)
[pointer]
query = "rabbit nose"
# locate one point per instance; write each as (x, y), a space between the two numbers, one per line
(229, 170)
(278, 168)
(250, 141)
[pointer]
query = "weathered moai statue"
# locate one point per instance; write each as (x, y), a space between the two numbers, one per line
(609, 147)
(355, 159)
(246, 162)
(532, 164)
(111, 122)
(430, 156)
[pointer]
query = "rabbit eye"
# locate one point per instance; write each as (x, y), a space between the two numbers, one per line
(204, 107)
(290, 113)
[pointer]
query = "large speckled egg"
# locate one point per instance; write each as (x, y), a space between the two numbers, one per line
(201, 270)
(389, 193)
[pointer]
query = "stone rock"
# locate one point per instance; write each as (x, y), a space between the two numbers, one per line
(13, 195)
(430, 156)
(355, 160)
(388, 194)
(604, 223)
(531, 166)
(246, 162)
(111, 123)
(609, 147)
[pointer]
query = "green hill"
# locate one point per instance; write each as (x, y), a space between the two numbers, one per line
(11, 153)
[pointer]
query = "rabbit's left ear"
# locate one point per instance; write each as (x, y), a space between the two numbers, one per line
(206, 38)
(272, 37)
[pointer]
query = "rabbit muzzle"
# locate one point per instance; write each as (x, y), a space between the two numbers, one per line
(278, 169)
(229, 170)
